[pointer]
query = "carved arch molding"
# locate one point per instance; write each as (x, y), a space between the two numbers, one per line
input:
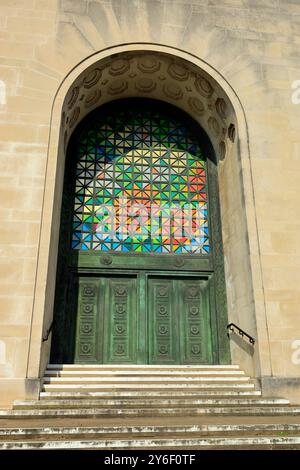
(154, 75)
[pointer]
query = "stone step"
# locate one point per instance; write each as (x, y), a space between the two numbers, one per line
(131, 396)
(151, 412)
(148, 403)
(117, 367)
(144, 394)
(144, 373)
(145, 386)
(138, 379)
(211, 443)
(156, 431)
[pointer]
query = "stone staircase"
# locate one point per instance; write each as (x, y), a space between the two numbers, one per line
(149, 407)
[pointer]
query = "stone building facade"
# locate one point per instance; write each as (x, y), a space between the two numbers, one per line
(233, 66)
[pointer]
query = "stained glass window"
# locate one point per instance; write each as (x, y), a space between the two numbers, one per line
(140, 185)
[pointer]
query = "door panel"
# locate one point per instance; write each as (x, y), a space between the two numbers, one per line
(194, 321)
(120, 321)
(106, 324)
(163, 333)
(88, 321)
(179, 321)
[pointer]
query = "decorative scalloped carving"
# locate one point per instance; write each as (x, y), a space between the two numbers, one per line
(194, 310)
(92, 78)
(63, 119)
(148, 64)
(221, 108)
(117, 86)
(162, 291)
(73, 97)
(195, 350)
(106, 259)
(193, 292)
(179, 262)
(65, 139)
(163, 349)
(162, 310)
(89, 291)
(231, 132)
(120, 309)
(195, 330)
(160, 77)
(92, 98)
(162, 330)
(86, 328)
(214, 125)
(173, 91)
(145, 84)
(196, 106)
(85, 348)
(178, 72)
(120, 350)
(120, 329)
(119, 66)
(74, 117)
(203, 87)
(222, 150)
(87, 308)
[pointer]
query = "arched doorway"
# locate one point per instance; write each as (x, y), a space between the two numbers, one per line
(140, 257)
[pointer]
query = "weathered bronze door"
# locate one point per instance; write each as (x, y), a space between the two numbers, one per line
(144, 318)
(140, 273)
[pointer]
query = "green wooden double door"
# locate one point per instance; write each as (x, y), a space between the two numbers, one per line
(144, 318)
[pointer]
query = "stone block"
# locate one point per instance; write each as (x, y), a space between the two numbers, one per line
(78, 7)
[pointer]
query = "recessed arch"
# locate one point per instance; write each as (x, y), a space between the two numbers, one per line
(141, 211)
(68, 109)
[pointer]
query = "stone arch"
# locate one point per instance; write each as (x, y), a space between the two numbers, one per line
(185, 81)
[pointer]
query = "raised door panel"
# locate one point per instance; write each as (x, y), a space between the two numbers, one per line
(87, 321)
(194, 317)
(120, 321)
(163, 331)
(179, 328)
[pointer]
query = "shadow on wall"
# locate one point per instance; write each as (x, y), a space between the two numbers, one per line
(242, 343)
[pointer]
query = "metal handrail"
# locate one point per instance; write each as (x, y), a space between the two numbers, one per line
(242, 333)
(45, 338)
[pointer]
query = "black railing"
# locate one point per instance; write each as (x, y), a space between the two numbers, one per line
(45, 338)
(242, 333)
